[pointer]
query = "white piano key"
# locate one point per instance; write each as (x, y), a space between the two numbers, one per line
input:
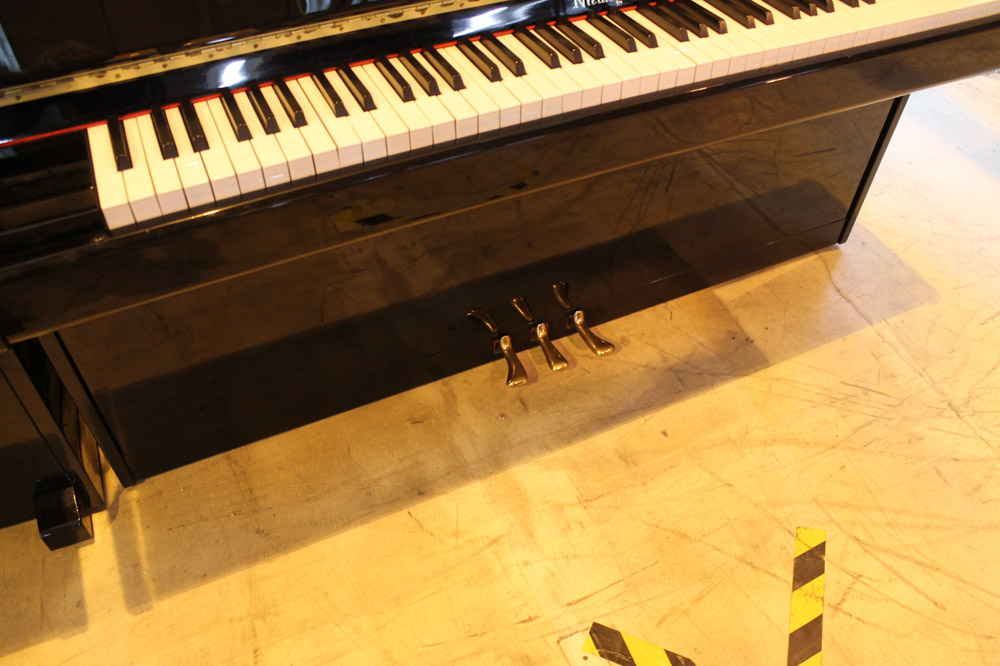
(221, 174)
(701, 64)
(441, 120)
(676, 67)
(863, 24)
(850, 27)
(924, 17)
(770, 47)
(804, 38)
(138, 182)
(540, 76)
(374, 143)
(665, 62)
(560, 92)
(877, 17)
(290, 140)
(614, 86)
(383, 121)
(750, 50)
(111, 194)
(265, 147)
(351, 146)
(322, 147)
(466, 118)
(190, 169)
(487, 111)
(590, 87)
(784, 37)
(737, 57)
(249, 175)
(632, 67)
(166, 182)
(417, 127)
(836, 30)
(720, 57)
(532, 102)
(509, 107)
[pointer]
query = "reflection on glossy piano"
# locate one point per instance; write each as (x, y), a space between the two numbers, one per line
(219, 224)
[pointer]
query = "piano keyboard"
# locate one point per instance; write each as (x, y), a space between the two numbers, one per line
(263, 138)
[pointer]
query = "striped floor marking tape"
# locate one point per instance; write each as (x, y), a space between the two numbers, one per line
(805, 629)
(626, 650)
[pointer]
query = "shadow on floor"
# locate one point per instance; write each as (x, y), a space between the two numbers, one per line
(52, 580)
(226, 513)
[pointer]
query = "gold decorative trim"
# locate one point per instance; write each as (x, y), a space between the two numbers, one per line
(193, 57)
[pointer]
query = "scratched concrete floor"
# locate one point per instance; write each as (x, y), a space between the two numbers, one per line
(856, 390)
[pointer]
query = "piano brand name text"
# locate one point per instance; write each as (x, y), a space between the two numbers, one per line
(584, 4)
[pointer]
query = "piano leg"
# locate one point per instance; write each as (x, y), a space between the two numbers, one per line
(895, 113)
(49, 464)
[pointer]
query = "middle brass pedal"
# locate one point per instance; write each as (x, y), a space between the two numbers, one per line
(540, 332)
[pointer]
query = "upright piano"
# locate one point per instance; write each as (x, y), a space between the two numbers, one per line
(219, 221)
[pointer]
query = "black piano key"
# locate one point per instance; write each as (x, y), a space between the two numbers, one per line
(540, 49)
(288, 102)
(119, 145)
(852, 3)
(444, 68)
(587, 44)
(692, 23)
(566, 48)
(756, 10)
(489, 68)
(356, 88)
(825, 5)
(329, 93)
(164, 137)
(395, 80)
(262, 109)
(193, 126)
(785, 7)
(613, 32)
(633, 27)
(806, 6)
(703, 15)
(423, 78)
(664, 22)
(235, 116)
(736, 11)
(507, 58)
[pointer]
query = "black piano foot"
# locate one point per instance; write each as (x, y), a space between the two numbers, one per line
(57, 511)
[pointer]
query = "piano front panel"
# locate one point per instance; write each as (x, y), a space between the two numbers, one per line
(228, 363)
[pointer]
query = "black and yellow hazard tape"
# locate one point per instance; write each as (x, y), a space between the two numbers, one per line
(619, 648)
(805, 628)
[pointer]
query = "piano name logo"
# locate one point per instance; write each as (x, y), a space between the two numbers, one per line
(586, 4)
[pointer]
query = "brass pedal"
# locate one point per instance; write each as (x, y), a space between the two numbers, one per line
(502, 346)
(540, 332)
(596, 344)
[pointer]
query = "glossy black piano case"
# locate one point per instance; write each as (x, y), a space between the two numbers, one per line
(230, 362)
(197, 337)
